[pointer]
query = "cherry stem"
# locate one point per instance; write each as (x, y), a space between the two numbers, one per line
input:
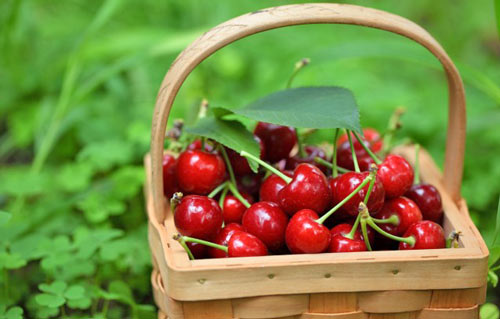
(394, 219)
(300, 145)
(223, 197)
(175, 200)
(354, 228)
(238, 195)
(364, 231)
(321, 161)
(367, 149)
(373, 170)
(181, 241)
(203, 242)
(322, 219)
(267, 166)
(335, 170)
(298, 66)
(354, 157)
(393, 126)
(217, 190)
(417, 164)
(228, 164)
(410, 240)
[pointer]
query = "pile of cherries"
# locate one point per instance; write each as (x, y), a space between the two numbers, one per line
(300, 204)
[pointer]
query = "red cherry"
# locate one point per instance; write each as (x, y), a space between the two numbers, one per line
(169, 179)
(371, 135)
(199, 172)
(199, 251)
(306, 236)
(341, 244)
(347, 183)
(427, 234)
(271, 187)
(311, 153)
(242, 244)
(396, 174)
(239, 163)
(405, 209)
(308, 189)
(268, 222)
(428, 200)
(198, 216)
(278, 140)
(222, 238)
(344, 156)
(233, 209)
(249, 183)
(196, 145)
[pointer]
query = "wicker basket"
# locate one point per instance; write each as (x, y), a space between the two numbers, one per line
(441, 283)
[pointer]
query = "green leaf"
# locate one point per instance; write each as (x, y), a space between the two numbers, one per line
(11, 261)
(4, 217)
(497, 14)
(493, 278)
(122, 290)
(489, 311)
(494, 255)
(74, 292)
(229, 133)
(82, 303)
(497, 227)
(146, 312)
(308, 107)
(47, 312)
(13, 313)
(49, 300)
(57, 287)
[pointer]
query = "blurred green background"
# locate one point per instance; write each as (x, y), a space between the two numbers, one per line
(78, 81)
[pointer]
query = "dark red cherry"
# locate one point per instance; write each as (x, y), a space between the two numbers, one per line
(196, 145)
(233, 209)
(311, 153)
(268, 222)
(271, 186)
(169, 179)
(239, 163)
(396, 174)
(347, 183)
(405, 209)
(427, 234)
(242, 244)
(198, 216)
(278, 140)
(199, 251)
(249, 183)
(428, 199)
(344, 156)
(371, 135)
(222, 238)
(341, 244)
(199, 172)
(306, 236)
(308, 189)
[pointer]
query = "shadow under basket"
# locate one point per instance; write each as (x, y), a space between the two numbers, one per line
(423, 284)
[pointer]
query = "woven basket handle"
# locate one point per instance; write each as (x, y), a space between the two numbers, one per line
(289, 15)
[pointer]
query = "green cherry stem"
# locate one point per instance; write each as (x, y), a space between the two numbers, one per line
(202, 242)
(298, 66)
(364, 231)
(335, 170)
(417, 164)
(228, 164)
(182, 241)
(300, 144)
(373, 172)
(217, 189)
(394, 219)
(321, 161)
(175, 200)
(223, 197)
(237, 194)
(354, 228)
(367, 149)
(394, 125)
(267, 166)
(354, 157)
(322, 219)
(409, 240)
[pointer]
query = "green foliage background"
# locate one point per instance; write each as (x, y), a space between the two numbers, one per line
(78, 80)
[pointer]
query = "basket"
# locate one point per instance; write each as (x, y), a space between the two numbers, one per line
(441, 283)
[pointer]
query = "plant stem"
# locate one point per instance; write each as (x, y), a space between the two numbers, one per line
(393, 126)
(237, 194)
(364, 231)
(321, 161)
(322, 219)
(105, 307)
(298, 66)
(175, 200)
(354, 157)
(63, 312)
(217, 189)
(182, 241)
(267, 166)
(223, 197)
(335, 170)
(373, 172)
(367, 149)
(417, 164)
(300, 145)
(354, 228)
(409, 240)
(6, 282)
(204, 242)
(394, 219)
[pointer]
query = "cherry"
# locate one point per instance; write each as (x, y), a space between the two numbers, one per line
(249, 183)
(344, 156)
(278, 140)
(239, 163)
(242, 244)
(428, 199)
(427, 235)
(169, 179)
(199, 172)
(198, 216)
(199, 251)
(304, 235)
(371, 135)
(311, 153)
(406, 212)
(233, 209)
(308, 189)
(340, 243)
(222, 238)
(268, 222)
(271, 187)
(347, 183)
(396, 174)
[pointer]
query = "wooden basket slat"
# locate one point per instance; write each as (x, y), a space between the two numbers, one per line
(467, 313)
(347, 315)
(459, 298)
(333, 302)
(394, 301)
(279, 306)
